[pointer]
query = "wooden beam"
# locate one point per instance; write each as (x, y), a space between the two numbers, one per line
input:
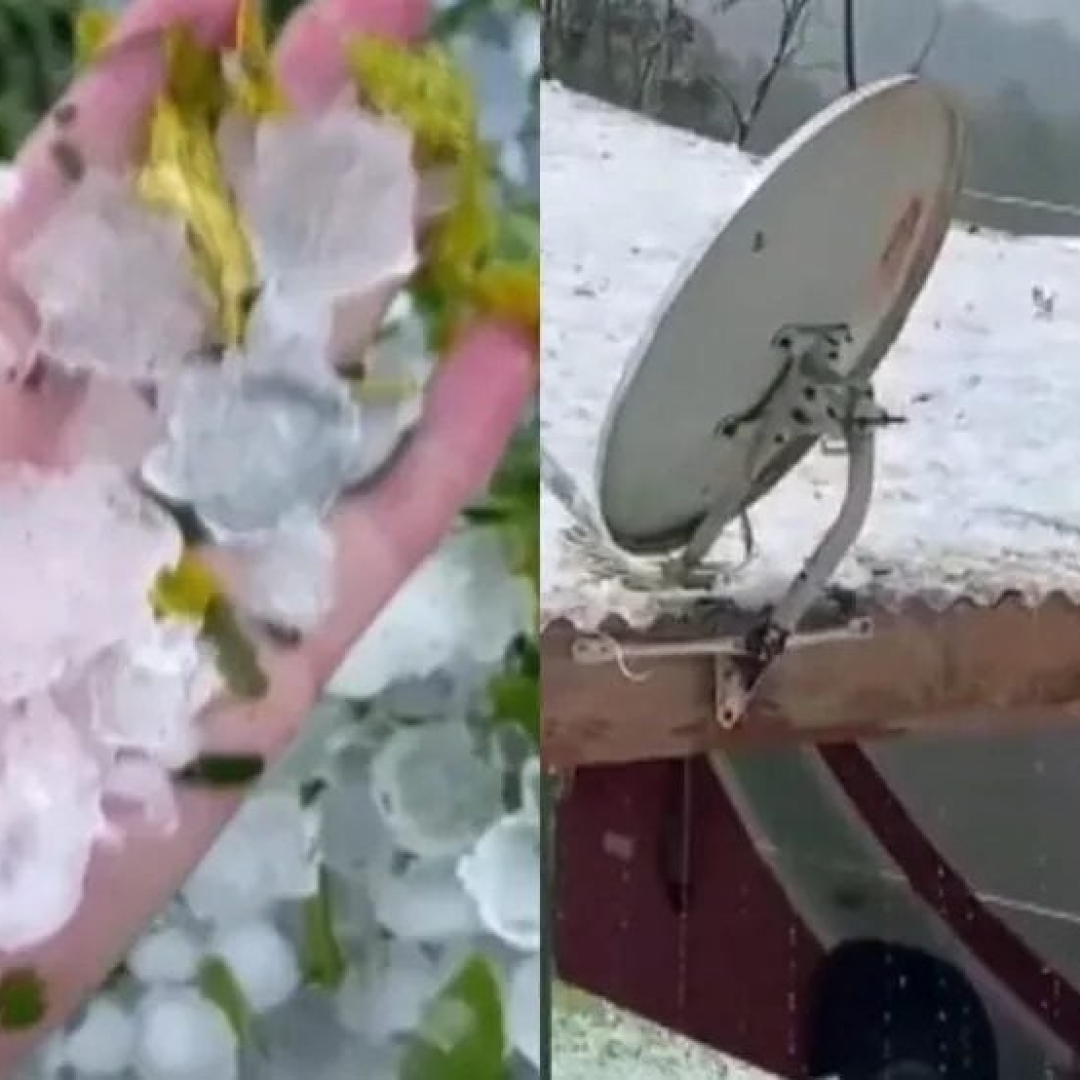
(967, 669)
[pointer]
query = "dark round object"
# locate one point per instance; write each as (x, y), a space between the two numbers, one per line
(881, 1011)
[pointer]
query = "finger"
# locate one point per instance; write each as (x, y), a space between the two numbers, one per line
(98, 123)
(310, 55)
(101, 117)
(310, 62)
(475, 402)
(471, 410)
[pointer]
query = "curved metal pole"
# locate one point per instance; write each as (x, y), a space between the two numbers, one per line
(828, 555)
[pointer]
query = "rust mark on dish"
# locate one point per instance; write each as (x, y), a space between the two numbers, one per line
(900, 241)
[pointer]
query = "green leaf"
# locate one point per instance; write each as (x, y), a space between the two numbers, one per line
(237, 659)
(437, 312)
(489, 514)
(461, 1036)
(322, 958)
(513, 505)
(449, 20)
(93, 28)
(279, 11)
(222, 770)
(217, 984)
(519, 237)
(22, 999)
(515, 692)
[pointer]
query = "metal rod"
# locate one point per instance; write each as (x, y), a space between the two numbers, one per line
(608, 650)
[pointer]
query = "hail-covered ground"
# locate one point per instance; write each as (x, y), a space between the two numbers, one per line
(400, 838)
(971, 493)
(593, 1040)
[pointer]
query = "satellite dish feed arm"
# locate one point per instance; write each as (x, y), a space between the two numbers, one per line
(711, 526)
(706, 535)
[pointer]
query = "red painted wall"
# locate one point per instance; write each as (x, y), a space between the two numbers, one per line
(732, 971)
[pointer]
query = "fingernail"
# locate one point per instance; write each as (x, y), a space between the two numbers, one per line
(504, 342)
(212, 21)
(404, 20)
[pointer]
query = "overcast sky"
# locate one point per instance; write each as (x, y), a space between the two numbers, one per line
(1068, 11)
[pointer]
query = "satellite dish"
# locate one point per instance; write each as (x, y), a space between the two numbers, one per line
(769, 340)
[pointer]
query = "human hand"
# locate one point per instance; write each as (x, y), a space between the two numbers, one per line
(471, 409)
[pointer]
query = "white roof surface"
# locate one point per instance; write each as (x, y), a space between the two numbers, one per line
(977, 494)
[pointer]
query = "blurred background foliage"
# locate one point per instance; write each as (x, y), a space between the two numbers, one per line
(36, 43)
(36, 59)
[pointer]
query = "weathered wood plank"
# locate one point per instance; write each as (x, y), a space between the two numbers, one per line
(968, 668)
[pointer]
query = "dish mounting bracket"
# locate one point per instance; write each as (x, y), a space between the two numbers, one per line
(814, 397)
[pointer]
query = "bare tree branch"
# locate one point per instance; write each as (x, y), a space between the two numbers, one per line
(647, 62)
(549, 32)
(742, 128)
(790, 39)
(796, 17)
(916, 66)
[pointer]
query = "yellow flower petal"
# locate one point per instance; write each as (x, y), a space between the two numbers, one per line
(460, 273)
(182, 175)
(256, 90)
(191, 591)
(370, 390)
(458, 242)
(422, 88)
(187, 591)
(93, 28)
(456, 246)
(195, 77)
(511, 291)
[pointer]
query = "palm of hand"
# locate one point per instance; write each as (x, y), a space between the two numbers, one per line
(471, 409)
